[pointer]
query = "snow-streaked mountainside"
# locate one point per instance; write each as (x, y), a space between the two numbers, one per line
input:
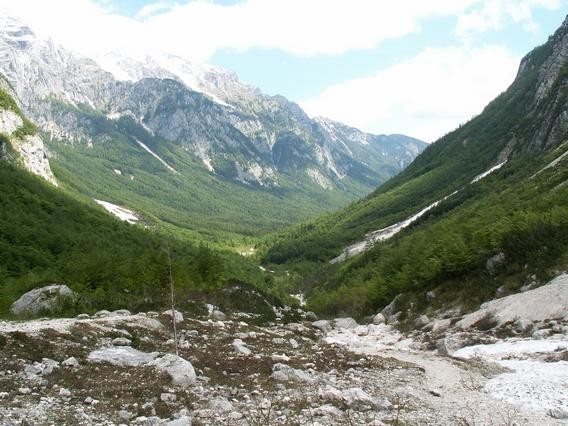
(236, 131)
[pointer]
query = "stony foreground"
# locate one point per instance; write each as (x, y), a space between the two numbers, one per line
(121, 368)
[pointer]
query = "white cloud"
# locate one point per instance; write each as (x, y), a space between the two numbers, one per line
(197, 29)
(425, 96)
(153, 9)
(495, 14)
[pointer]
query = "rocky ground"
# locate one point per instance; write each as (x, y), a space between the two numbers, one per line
(121, 368)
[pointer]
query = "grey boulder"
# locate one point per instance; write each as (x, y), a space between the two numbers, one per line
(180, 370)
(42, 299)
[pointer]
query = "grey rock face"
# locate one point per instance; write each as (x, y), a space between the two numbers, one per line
(30, 151)
(234, 129)
(42, 299)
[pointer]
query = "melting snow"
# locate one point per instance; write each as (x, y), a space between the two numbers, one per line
(156, 156)
(531, 384)
(553, 163)
(385, 233)
(121, 212)
(488, 172)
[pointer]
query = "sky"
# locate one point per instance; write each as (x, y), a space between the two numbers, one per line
(416, 67)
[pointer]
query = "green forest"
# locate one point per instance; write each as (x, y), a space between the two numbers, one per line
(47, 237)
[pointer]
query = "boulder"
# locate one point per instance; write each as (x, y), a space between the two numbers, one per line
(220, 405)
(322, 325)
(180, 370)
(218, 315)
(330, 394)
(390, 311)
(440, 326)
(541, 334)
(448, 345)
(285, 373)
(121, 355)
(311, 316)
(121, 341)
(71, 362)
(495, 262)
(182, 421)
(176, 315)
(379, 319)
(240, 347)
(358, 399)
(558, 413)
(421, 321)
(42, 299)
(327, 410)
(347, 323)
(523, 325)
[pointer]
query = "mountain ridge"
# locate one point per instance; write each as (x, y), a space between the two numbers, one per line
(246, 146)
(494, 185)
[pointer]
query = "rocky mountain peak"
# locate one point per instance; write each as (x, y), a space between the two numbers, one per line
(550, 59)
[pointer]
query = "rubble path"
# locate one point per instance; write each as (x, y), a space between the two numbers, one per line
(454, 388)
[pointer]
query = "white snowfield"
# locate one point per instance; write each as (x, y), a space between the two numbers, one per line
(553, 163)
(532, 383)
(170, 168)
(488, 172)
(385, 233)
(121, 212)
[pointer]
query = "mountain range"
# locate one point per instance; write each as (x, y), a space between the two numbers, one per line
(189, 145)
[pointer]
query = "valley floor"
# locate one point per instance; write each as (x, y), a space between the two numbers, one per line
(110, 368)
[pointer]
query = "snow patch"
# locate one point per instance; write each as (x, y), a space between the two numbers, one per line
(532, 385)
(488, 172)
(121, 212)
(553, 163)
(170, 168)
(385, 233)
